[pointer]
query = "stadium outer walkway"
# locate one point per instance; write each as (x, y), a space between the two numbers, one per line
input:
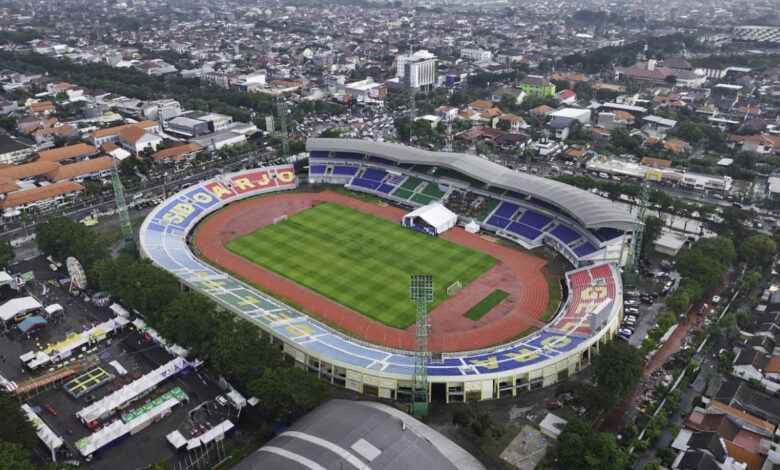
(450, 330)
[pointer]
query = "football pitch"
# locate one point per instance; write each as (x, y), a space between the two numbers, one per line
(360, 261)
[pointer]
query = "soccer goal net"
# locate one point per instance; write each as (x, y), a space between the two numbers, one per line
(454, 288)
(281, 218)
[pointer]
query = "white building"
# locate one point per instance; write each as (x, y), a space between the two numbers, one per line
(161, 110)
(475, 54)
(418, 70)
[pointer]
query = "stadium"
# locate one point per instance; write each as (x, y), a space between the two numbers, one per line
(325, 275)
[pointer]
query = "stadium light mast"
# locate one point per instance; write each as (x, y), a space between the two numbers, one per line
(121, 207)
(631, 269)
(421, 293)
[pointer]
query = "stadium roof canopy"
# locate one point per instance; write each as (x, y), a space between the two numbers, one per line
(359, 434)
(590, 210)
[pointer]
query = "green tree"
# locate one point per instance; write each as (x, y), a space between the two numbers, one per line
(237, 351)
(679, 301)
(617, 368)
(653, 227)
(15, 428)
(14, 457)
(160, 466)
(288, 390)
(707, 261)
(579, 448)
(62, 237)
(757, 249)
(6, 253)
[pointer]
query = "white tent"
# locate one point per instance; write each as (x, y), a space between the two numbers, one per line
(119, 310)
(472, 227)
(14, 307)
(176, 439)
(435, 215)
(54, 308)
(45, 433)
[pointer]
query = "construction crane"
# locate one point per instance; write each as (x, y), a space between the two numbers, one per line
(281, 110)
(631, 269)
(121, 208)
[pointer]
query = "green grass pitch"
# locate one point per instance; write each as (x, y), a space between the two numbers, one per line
(485, 305)
(360, 261)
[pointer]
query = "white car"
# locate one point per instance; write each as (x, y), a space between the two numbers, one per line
(716, 299)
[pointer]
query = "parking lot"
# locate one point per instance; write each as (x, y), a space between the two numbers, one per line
(106, 366)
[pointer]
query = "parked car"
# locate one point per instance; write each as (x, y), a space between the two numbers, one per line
(554, 405)
(221, 400)
(632, 311)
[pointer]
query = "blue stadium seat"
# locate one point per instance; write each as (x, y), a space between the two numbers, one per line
(364, 183)
(497, 221)
(345, 170)
(349, 155)
(374, 174)
(584, 249)
(318, 154)
(564, 234)
(606, 233)
(381, 161)
(386, 188)
(544, 204)
(524, 231)
(506, 210)
(515, 194)
(317, 169)
(534, 219)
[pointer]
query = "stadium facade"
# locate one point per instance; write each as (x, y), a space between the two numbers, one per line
(590, 315)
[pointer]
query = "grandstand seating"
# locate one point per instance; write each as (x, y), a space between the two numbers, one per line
(565, 234)
(497, 221)
(349, 156)
(524, 231)
(381, 161)
(318, 154)
(385, 188)
(606, 234)
(317, 169)
(506, 210)
(364, 183)
(411, 183)
(584, 249)
(345, 170)
(374, 174)
(534, 219)
(515, 195)
(395, 180)
(544, 204)
(432, 190)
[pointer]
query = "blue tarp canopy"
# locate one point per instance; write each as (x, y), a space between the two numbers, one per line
(31, 323)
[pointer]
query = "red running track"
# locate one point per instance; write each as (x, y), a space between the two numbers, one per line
(518, 273)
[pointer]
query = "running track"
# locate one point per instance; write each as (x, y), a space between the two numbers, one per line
(450, 330)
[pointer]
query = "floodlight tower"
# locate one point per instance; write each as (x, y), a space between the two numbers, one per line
(421, 293)
(281, 110)
(631, 269)
(121, 207)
